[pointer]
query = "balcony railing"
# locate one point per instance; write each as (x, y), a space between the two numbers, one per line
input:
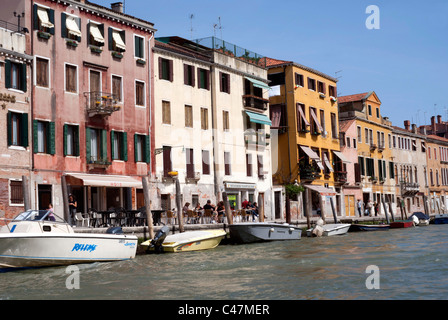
(409, 189)
(101, 103)
(341, 176)
(256, 138)
(309, 173)
(251, 101)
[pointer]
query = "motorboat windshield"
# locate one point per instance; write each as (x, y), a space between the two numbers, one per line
(38, 215)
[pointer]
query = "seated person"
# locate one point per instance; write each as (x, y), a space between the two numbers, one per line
(221, 210)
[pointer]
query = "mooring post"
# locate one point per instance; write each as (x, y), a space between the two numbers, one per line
(148, 207)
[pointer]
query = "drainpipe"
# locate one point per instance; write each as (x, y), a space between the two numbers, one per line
(150, 66)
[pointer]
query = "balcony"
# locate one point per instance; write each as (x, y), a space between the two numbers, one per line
(381, 148)
(309, 173)
(251, 101)
(341, 176)
(409, 189)
(256, 138)
(98, 163)
(372, 147)
(101, 103)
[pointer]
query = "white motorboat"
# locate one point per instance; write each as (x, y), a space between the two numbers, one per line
(246, 232)
(328, 230)
(40, 238)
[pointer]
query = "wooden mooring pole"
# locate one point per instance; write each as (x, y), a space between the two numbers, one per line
(148, 207)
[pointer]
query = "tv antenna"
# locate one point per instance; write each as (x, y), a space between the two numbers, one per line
(217, 26)
(191, 25)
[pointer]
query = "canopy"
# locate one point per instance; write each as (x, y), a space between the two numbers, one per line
(313, 155)
(118, 41)
(96, 33)
(100, 180)
(341, 156)
(322, 190)
(72, 26)
(43, 18)
(327, 163)
(258, 84)
(258, 118)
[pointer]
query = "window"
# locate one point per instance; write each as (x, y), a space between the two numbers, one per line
(166, 69)
(167, 164)
(188, 116)
(204, 118)
(117, 88)
(15, 75)
(348, 142)
(321, 87)
(96, 34)
(71, 140)
(190, 162)
(260, 166)
(354, 143)
(70, 27)
(139, 93)
(43, 19)
(334, 126)
(394, 141)
(44, 137)
(366, 134)
(322, 122)
(203, 79)
(377, 112)
(359, 134)
(71, 78)
(369, 107)
(119, 145)
(299, 80)
(249, 165)
(227, 164)
(166, 112)
(224, 82)
(311, 84)
(189, 76)
(15, 192)
(139, 47)
(332, 91)
(96, 145)
(141, 148)
(17, 126)
(205, 162)
(225, 121)
(117, 40)
(313, 122)
(42, 72)
(302, 123)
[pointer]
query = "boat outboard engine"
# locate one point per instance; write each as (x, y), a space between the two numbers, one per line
(114, 230)
(160, 236)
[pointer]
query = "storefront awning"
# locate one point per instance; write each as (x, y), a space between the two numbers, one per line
(258, 118)
(258, 84)
(99, 180)
(341, 156)
(322, 190)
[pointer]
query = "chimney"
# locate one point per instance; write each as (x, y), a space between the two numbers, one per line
(433, 125)
(414, 128)
(439, 119)
(117, 7)
(423, 130)
(407, 124)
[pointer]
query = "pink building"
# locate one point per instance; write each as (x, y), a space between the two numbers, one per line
(91, 101)
(352, 188)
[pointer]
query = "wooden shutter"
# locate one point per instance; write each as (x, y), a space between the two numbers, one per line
(104, 145)
(249, 165)
(63, 25)
(88, 155)
(35, 18)
(112, 143)
(166, 160)
(51, 138)
(124, 149)
(51, 18)
(147, 149)
(160, 68)
(205, 162)
(9, 127)
(35, 141)
(357, 173)
(190, 163)
(260, 166)
(170, 64)
(24, 130)
(8, 83)
(65, 139)
(111, 40)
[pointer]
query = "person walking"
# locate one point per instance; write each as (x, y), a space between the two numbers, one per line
(360, 207)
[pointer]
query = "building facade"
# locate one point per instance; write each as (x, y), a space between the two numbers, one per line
(375, 158)
(437, 170)
(304, 112)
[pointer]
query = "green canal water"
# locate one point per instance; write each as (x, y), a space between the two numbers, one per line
(412, 264)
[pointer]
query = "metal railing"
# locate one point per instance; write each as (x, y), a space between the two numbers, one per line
(101, 103)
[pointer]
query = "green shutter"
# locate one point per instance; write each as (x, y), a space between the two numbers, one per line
(112, 140)
(51, 18)
(8, 74)
(111, 40)
(63, 25)
(147, 149)
(88, 145)
(52, 138)
(135, 146)
(35, 18)
(125, 147)
(9, 127)
(23, 77)
(104, 145)
(35, 141)
(76, 141)
(65, 139)
(391, 170)
(24, 130)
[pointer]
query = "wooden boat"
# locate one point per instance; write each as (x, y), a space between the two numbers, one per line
(420, 219)
(441, 219)
(402, 224)
(40, 238)
(368, 227)
(332, 229)
(186, 241)
(263, 231)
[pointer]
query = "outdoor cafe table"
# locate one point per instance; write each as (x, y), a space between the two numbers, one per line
(156, 214)
(105, 215)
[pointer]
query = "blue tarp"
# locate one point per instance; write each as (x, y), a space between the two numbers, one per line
(420, 215)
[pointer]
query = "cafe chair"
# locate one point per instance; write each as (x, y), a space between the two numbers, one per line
(170, 217)
(95, 218)
(207, 216)
(81, 219)
(244, 215)
(121, 217)
(192, 216)
(237, 216)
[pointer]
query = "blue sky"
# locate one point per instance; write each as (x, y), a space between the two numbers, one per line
(404, 62)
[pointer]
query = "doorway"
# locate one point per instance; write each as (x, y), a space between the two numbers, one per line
(44, 192)
(278, 204)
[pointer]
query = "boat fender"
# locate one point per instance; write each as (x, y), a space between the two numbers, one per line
(159, 238)
(291, 229)
(320, 222)
(271, 230)
(114, 230)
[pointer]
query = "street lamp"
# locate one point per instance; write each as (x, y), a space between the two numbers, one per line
(18, 17)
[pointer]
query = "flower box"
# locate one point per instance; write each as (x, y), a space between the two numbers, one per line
(43, 35)
(95, 49)
(141, 61)
(333, 99)
(72, 43)
(117, 55)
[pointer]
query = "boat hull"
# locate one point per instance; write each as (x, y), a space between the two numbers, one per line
(332, 229)
(402, 224)
(190, 241)
(441, 219)
(260, 232)
(33, 250)
(368, 227)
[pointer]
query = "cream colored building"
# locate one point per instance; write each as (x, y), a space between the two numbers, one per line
(216, 135)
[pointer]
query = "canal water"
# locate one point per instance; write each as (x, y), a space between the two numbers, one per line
(410, 264)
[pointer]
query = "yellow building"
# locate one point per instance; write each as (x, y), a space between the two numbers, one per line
(375, 159)
(304, 114)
